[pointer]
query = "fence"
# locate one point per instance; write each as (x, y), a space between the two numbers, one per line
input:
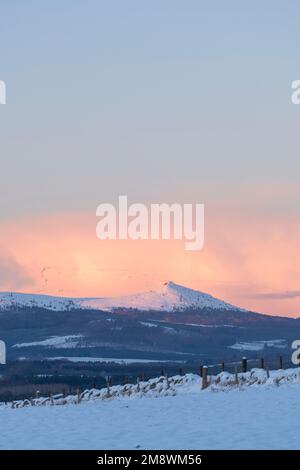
(243, 366)
(205, 371)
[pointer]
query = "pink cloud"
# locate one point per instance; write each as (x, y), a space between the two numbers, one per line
(246, 255)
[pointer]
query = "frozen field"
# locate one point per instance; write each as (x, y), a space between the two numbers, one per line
(264, 416)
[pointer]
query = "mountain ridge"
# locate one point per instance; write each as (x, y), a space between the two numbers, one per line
(170, 297)
(162, 324)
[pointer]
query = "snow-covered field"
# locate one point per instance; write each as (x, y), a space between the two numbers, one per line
(108, 359)
(59, 342)
(259, 345)
(258, 413)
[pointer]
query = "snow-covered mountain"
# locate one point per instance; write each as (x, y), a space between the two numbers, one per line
(169, 298)
(171, 323)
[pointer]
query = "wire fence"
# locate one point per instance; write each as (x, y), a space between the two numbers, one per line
(30, 391)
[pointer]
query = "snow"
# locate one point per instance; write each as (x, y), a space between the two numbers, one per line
(150, 325)
(59, 342)
(200, 325)
(259, 345)
(170, 297)
(108, 359)
(16, 299)
(260, 413)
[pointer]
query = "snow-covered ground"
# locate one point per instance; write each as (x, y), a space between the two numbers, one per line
(59, 342)
(259, 345)
(258, 413)
(115, 360)
(171, 296)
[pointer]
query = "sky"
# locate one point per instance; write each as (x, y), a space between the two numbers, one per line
(169, 101)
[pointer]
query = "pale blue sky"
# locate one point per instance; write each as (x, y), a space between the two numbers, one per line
(160, 100)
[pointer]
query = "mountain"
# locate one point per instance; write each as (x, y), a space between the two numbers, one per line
(171, 323)
(171, 297)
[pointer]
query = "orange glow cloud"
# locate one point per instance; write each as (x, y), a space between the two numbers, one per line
(248, 259)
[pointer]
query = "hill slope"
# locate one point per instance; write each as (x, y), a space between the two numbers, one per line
(170, 297)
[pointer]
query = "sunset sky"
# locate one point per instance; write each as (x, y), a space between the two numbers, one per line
(162, 103)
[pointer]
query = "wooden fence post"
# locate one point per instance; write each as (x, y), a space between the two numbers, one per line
(167, 381)
(236, 377)
(280, 362)
(108, 389)
(223, 367)
(262, 363)
(180, 371)
(78, 395)
(244, 364)
(204, 377)
(201, 371)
